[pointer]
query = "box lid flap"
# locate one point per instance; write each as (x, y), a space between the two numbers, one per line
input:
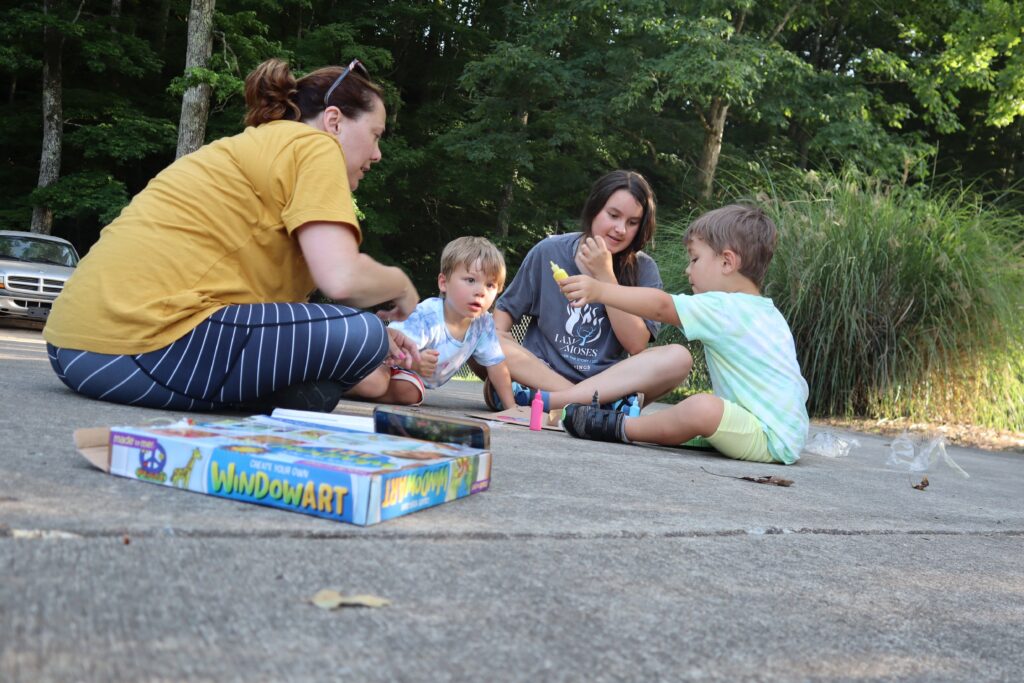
(94, 445)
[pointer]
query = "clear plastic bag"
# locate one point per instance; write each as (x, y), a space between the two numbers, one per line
(921, 455)
(830, 444)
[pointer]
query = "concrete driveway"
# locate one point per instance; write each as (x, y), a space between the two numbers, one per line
(583, 562)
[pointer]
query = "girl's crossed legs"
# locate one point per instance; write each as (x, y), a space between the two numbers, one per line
(654, 372)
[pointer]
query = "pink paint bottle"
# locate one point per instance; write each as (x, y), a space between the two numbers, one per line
(537, 412)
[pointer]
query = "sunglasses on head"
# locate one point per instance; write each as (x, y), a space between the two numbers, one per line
(354, 65)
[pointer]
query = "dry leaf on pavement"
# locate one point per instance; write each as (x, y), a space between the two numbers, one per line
(328, 598)
(766, 479)
(364, 601)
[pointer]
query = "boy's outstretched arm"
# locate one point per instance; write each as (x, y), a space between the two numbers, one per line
(646, 302)
(501, 380)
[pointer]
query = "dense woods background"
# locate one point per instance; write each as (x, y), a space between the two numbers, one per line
(502, 112)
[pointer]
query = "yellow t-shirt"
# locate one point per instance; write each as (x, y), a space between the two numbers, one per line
(213, 228)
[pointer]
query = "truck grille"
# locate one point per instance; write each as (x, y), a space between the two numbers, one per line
(29, 304)
(34, 284)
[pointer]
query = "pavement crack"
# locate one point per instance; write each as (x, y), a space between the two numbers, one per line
(356, 535)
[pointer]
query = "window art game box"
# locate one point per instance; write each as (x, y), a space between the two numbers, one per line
(341, 474)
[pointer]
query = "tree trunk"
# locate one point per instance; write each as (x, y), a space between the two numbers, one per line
(162, 17)
(802, 142)
(53, 121)
(115, 14)
(714, 129)
(505, 203)
(195, 103)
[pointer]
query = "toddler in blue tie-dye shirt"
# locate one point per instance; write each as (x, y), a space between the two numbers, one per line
(450, 329)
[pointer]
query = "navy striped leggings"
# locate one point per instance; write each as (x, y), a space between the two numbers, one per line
(239, 354)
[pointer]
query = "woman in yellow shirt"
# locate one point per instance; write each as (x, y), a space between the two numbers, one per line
(196, 296)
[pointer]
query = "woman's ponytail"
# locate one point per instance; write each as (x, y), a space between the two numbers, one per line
(270, 91)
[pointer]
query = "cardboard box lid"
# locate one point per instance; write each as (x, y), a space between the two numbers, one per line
(93, 443)
(520, 416)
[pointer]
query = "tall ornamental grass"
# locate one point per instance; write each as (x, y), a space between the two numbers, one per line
(904, 303)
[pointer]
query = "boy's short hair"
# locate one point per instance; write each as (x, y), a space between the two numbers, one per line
(467, 251)
(741, 228)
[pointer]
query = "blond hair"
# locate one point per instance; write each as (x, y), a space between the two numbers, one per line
(468, 251)
(743, 229)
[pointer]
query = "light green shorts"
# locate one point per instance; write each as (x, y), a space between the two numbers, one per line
(740, 436)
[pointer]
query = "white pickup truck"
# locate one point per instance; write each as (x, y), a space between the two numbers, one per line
(33, 270)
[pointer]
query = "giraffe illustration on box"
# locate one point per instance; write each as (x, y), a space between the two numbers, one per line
(181, 475)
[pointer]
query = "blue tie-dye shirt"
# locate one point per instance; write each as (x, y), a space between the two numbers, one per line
(427, 329)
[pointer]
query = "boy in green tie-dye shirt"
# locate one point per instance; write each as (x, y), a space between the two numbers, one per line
(758, 408)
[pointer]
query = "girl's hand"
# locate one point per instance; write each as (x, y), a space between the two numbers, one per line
(593, 257)
(581, 290)
(401, 350)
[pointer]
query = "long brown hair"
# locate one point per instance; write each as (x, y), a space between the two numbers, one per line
(624, 262)
(272, 93)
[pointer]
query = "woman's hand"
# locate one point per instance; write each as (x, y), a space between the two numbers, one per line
(400, 307)
(593, 257)
(581, 290)
(401, 350)
(403, 305)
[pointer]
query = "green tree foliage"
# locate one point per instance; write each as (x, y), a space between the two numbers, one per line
(84, 194)
(539, 124)
(502, 112)
(707, 59)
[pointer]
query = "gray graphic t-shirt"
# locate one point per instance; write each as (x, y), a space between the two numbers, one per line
(576, 342)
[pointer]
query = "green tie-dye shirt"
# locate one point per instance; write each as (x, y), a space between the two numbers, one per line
(752, 361)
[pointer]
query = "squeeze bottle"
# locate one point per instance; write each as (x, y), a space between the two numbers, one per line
(537, 412)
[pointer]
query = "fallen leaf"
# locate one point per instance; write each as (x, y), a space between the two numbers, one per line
(768, 479)
(364, 601)
(329, 598)
(126, 540)
(922, 485)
